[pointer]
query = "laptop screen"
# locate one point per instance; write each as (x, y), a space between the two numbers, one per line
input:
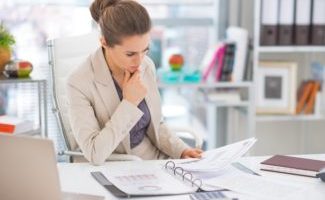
(28, 169)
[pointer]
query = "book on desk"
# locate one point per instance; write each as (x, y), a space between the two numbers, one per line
(293, 165)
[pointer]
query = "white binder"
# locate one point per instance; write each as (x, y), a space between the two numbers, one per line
(303, 12)
(240, 37)
(303, 22)
(270, 12)
(287, 11)
(286, 20)
(319, 12)
(269, 22)
(318, 23)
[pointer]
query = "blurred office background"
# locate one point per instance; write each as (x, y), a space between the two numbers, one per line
(189, 27)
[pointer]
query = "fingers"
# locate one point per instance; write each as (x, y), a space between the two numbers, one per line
(199, 150)
(193, 153)
(136, 75)
(197, 154)
(126, 76)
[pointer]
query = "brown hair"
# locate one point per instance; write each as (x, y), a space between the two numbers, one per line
(120, 18)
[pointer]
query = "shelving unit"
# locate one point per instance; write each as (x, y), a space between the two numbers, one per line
(274, 118)
(173, 21)
(219, 123)
(42, 102)
(184, 22)
(290, 49)
(286, 134)
(208, 18)
(206, 85)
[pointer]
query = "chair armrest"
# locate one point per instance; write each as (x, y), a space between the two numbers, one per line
(70, 153)
(123, 157)
(197, 137)
(112, 157)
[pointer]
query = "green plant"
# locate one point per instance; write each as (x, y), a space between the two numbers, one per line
(6, 39)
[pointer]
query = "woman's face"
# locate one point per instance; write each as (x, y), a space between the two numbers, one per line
(129, 54)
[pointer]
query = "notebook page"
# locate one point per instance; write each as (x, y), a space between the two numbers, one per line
(219, 158)
(256, 186)
(141, 178)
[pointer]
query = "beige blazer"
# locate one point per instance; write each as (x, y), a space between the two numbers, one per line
(101, 122)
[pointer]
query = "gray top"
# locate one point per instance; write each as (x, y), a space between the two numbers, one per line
(139, 131)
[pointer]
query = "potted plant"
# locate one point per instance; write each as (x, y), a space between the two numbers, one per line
(6, 41)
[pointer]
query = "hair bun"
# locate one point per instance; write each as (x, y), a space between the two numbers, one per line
(98, 7)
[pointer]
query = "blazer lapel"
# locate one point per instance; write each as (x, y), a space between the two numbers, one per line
(153, 103)
(106, 88)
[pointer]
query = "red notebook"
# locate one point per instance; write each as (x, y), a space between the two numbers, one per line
(293, 165)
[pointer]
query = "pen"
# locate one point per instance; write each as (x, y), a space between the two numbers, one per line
(244, 168)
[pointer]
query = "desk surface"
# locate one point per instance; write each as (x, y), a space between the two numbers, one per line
(75, 177)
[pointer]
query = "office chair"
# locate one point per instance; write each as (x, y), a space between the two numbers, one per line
(65, 54)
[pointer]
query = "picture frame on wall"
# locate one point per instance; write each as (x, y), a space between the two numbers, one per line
(276, 87)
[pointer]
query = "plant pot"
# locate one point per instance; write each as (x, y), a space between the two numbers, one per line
(5, 55)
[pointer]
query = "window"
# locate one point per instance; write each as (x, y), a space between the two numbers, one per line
(32, 23)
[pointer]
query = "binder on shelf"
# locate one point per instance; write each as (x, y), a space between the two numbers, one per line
(228, 62)
(303, 22)
(293, 165)
(318, 23)
(212, 59)
(307, 95)
(240, 37)
(220, 62)
(269, 22)
(310, 104)
(304, 93)
(286, 21)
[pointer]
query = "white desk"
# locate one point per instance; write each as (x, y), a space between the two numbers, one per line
(75, 177)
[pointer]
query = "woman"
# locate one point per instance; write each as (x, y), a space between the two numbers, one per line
(114, 104)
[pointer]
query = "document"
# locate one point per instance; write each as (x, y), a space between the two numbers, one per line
(144, 178)
(256, 186)
(217, 159)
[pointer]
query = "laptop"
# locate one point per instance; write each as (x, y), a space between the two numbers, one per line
(28, 171)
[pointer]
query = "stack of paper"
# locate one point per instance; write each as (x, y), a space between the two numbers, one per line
(14, 125)
(257, 187)
(219, 158)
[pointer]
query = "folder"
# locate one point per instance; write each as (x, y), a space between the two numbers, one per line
(228, 62)
(293, 165)
(220, 62)
(310, 104)
(269, 22)
(209, 61)
(318, 23)
(304, 93)
(240, 37)
(286, 20)
(303, 22)
(213, 59)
